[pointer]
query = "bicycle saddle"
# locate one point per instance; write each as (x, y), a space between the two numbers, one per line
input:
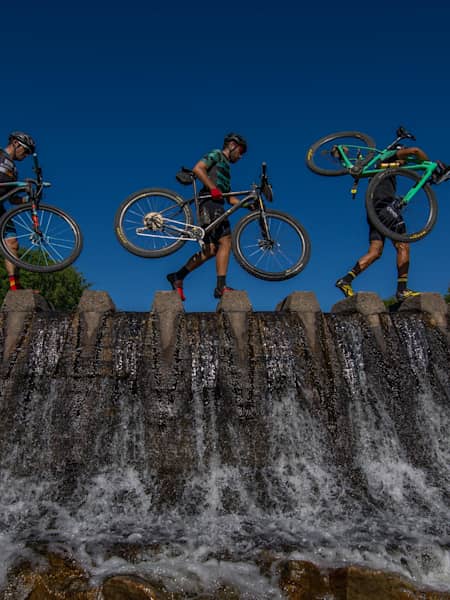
(402, 133)
(185, 176)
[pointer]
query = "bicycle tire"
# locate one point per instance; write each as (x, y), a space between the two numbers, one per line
(250, 249)
(419, 215)
(130, 217)
(56, 247)
(324, 146)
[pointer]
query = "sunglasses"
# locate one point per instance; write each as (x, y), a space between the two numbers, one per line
(240, 149)
(27, 150)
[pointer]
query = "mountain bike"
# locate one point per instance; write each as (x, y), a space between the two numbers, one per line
(49, 239)
(269, 244)
(412, 213)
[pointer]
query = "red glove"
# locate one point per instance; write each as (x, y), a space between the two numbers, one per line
(216, 193)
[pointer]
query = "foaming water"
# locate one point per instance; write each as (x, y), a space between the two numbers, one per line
(201, 462)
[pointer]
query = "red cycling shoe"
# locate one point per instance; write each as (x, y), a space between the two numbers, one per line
(219, 292)
(177, 285)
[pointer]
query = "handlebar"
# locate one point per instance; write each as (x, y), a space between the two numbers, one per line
(266, 188)
(37, 168)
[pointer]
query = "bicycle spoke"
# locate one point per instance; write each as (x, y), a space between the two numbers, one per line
(401, 219)
(338, 153)
(153, 222)
(271, 253)
(47, 246)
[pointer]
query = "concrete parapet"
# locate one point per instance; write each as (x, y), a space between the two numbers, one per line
(95, 301)
(370, 306)
(24, 301)
(236, 301)
(431, 303)
(364, 303)
(167, 306)
(236, 306)
(17, 306)
(92, 306)
(305, 304)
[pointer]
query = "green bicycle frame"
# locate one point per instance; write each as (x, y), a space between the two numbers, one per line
(369, 169)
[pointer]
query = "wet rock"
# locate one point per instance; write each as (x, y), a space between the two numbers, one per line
(302, 580)
(60, 579)
(357, 583)
(131, 588)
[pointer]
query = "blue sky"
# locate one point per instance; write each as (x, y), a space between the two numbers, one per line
(119, 98)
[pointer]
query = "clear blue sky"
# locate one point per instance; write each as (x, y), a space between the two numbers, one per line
(119, 96)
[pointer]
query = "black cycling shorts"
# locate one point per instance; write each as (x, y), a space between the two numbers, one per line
(388, 212)
(209, 212)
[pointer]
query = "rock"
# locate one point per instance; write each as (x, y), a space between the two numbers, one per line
(302, 580)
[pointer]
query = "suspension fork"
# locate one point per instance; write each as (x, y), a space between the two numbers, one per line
(35, 216)
(264, 225)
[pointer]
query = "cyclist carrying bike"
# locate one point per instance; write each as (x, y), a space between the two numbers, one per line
(385, 200)
(213, 170)
(20, 145)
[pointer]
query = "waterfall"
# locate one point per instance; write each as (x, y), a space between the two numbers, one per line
(203, 457)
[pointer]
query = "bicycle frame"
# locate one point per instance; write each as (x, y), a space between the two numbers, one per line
(33, 189)
(195, 232)
(384, 156)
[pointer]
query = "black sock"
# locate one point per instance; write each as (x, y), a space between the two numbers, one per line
(352, 274)
(181, 274)
(221, 281)
(402, 283)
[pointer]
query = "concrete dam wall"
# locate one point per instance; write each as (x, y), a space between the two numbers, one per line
(201, 441)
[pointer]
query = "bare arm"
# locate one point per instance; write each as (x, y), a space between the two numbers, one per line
(407, 153)
(201, 171)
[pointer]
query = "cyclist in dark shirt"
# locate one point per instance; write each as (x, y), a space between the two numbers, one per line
(213, 170)
(385, 197)
(20, 145)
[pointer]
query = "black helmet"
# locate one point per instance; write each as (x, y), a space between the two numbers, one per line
(235, 137)
(25, 139)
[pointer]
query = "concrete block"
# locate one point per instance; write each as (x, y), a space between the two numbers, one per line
(92, 306)
(95, 301)
(299, 302)
(364, 303)
(430, 303)
(426, 302)
(235, 301)
(236, 306)
(167, 307)
(167, 302)
(24, 301)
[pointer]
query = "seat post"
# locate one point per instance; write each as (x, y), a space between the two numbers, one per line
(197, 207)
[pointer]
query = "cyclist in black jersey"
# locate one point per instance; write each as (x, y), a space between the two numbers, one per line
(20, 145)
(213, 170)
(386, 201)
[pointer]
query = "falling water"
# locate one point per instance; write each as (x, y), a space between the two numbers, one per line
(201, 459)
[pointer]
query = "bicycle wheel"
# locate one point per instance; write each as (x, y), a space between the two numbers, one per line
(54, 246)
(281, 255)
(398, 220)
(324, 157)
(151, 223)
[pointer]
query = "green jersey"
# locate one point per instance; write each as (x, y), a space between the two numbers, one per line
(218, 167)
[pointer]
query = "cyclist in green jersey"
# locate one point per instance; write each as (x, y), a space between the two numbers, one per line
(213, 170)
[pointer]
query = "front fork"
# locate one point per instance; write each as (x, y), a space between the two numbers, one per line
(264, 225)
(35, 218)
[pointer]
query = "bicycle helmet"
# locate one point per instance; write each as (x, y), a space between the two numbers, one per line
(25, 139)
(235, 137)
